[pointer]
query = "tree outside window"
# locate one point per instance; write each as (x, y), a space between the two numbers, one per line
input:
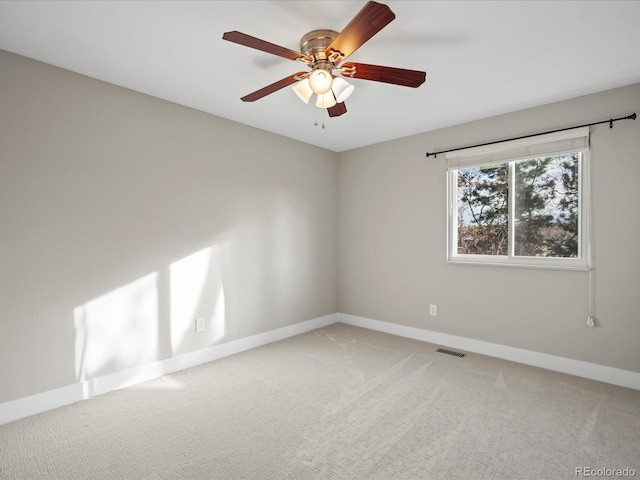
(543, 220)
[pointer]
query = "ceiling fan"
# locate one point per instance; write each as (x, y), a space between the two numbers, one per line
(324, 51)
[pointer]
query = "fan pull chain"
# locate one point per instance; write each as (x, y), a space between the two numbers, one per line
(316, 122)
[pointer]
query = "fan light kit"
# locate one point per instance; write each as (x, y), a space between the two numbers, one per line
(324, 51)
(320, 81)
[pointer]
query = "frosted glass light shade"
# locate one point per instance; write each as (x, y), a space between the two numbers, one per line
(320, 81)
(326, 100)
(303, 90)
(341, 89)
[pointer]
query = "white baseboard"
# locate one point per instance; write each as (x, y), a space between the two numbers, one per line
(42, 402)
(601, 373)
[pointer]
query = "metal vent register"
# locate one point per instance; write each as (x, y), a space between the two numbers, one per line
(451, 352)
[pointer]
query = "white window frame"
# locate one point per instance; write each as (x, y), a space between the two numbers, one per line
(574, 140)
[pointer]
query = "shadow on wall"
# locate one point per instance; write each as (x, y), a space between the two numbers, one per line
(142, 322)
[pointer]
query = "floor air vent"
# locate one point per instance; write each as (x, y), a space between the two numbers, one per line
(451, 352)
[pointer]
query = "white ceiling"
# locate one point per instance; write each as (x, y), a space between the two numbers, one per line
(482, 58)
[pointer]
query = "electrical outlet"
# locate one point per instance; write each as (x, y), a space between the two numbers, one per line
(199, 325)
(433, 310)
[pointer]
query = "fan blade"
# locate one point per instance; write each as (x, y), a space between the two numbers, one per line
(337, 110)
(274, 87)
(253, 42)
(377, 73)
(370, 20)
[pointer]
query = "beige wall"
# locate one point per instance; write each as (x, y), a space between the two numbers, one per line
(392, 237)
(124, 217)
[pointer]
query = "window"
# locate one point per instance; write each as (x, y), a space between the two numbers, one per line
(521, 202)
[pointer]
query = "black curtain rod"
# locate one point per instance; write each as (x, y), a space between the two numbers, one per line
(610, 122)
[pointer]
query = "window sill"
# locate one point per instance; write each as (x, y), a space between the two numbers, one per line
(578, 265)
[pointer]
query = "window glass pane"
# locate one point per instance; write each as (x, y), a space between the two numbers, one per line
(546, 206)
(482, 196)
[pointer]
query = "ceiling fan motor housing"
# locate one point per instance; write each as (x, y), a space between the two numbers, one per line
(315, 43)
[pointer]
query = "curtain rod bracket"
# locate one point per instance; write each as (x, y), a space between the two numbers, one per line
(610, 122)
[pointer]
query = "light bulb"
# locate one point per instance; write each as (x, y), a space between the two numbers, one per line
(320, 81)
(303, 90)
(326, 100)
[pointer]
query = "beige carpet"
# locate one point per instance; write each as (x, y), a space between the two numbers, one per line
(336, 403)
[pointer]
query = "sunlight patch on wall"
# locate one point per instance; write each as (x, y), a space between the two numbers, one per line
(188, 277)
(219, 316)
(196, 292)
(118, 330)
